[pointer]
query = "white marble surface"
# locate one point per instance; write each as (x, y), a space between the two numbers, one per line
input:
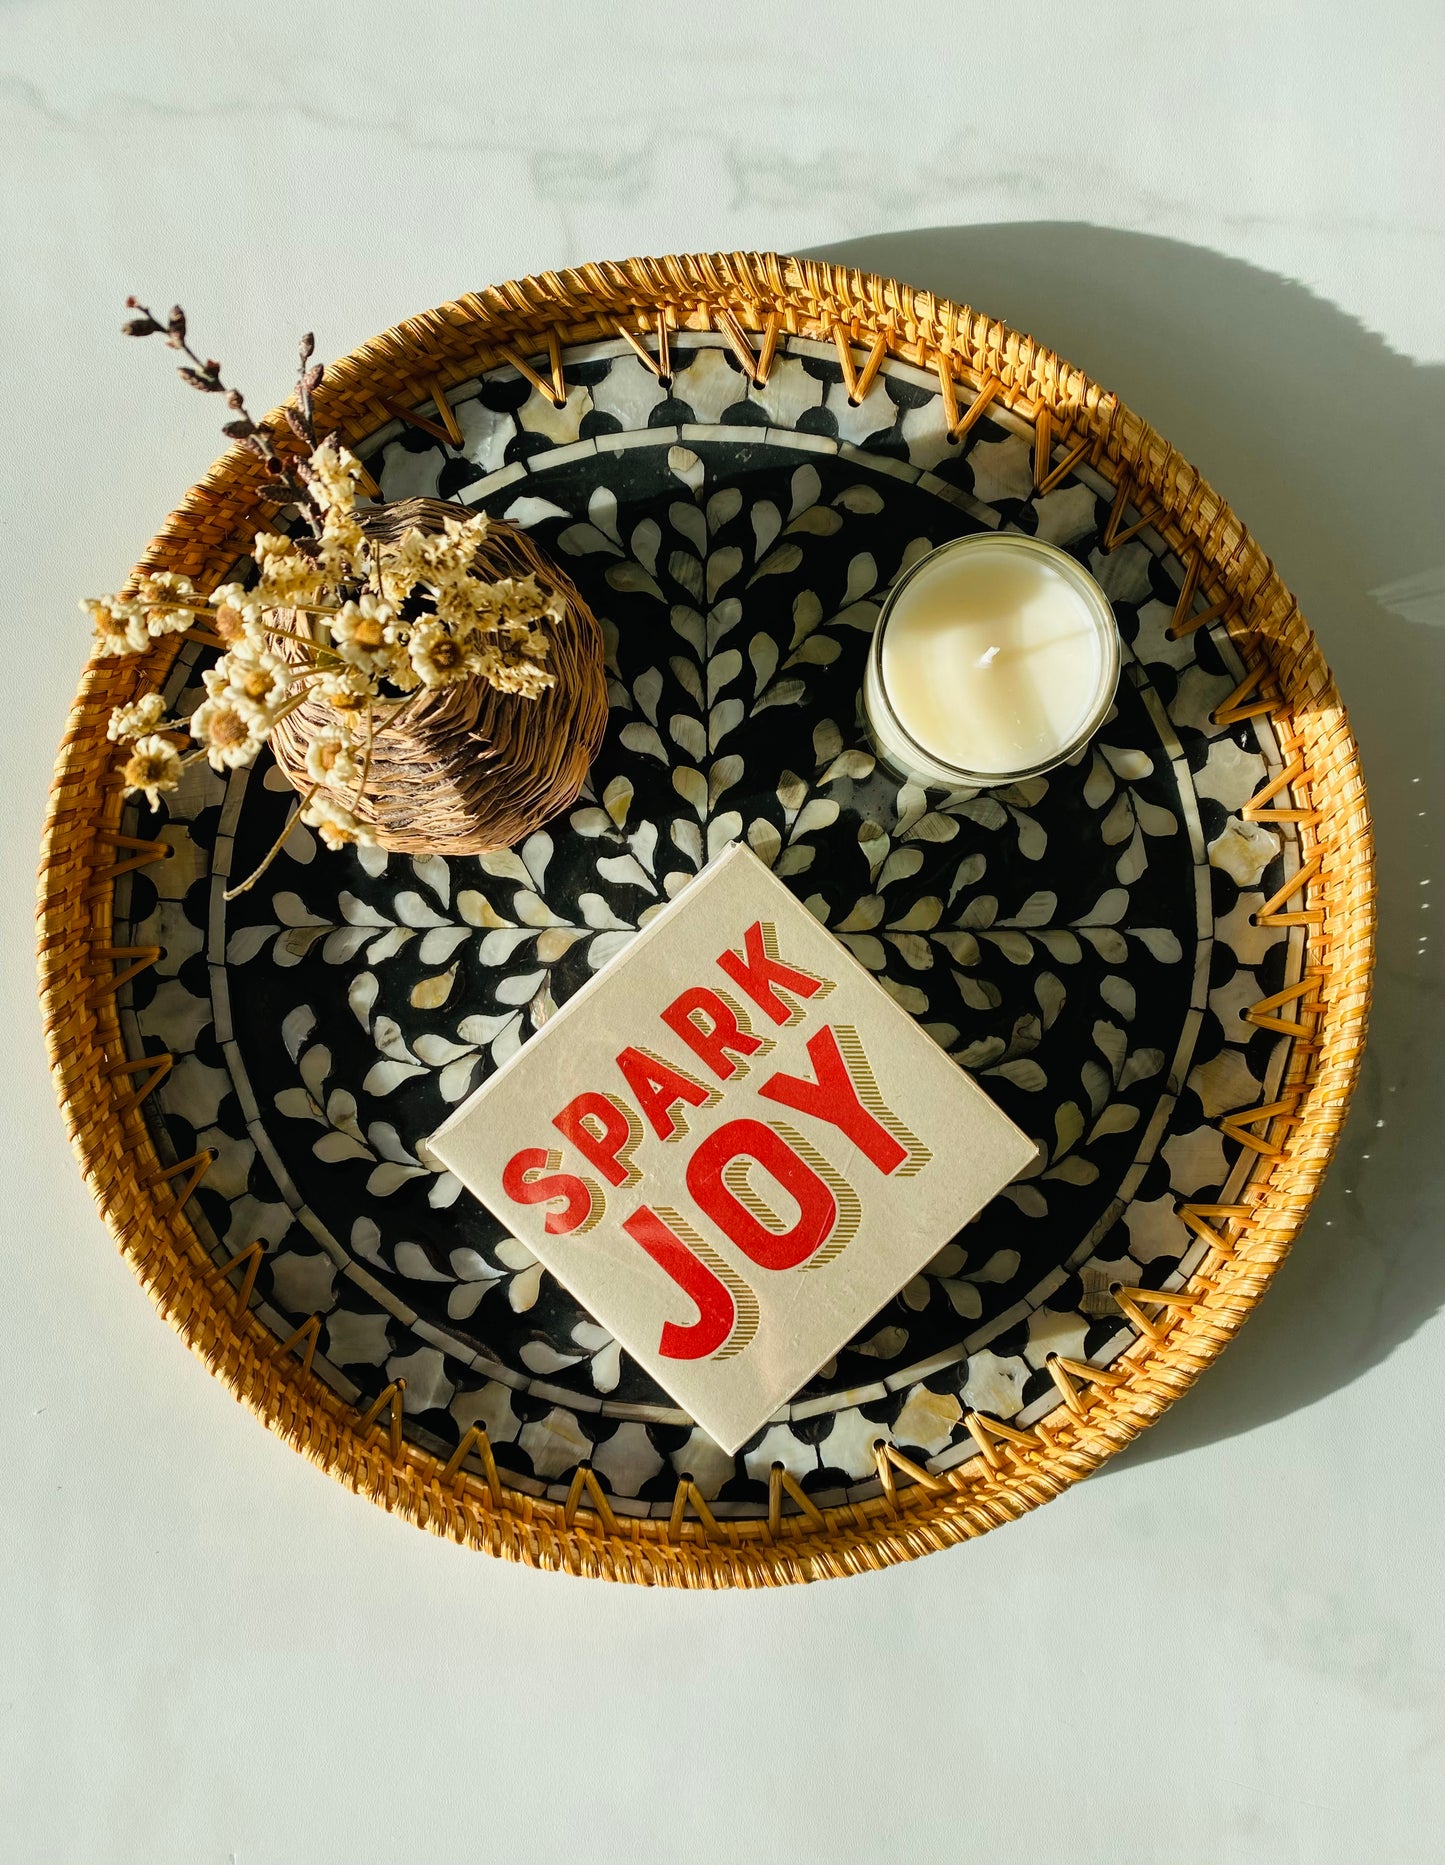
(1228, 1648)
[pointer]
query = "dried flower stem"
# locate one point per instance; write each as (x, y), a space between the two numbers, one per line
(366, 760)
(205, 375)
(234, 893)
(296, 699)
(305, 641)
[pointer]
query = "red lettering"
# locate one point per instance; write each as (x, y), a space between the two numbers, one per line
(712, 1030)
(657, 1088)
(834, 1097)
(583, 1201)
(759, 972)
(604, 1130)
(717, 1175)
(716, 1309)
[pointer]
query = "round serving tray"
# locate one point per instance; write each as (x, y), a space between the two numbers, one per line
(1156, 959)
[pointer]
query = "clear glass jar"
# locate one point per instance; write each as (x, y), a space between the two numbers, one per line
(908, 681)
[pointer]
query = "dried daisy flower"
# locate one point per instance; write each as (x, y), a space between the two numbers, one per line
(237, 614)
(523, 677)
(337, 826)
(335, 475)
(438, 657)
(154, 765)
(361, 635)
(347, 691)
(437, 561)
(257, 684)
(120, 627)
(331, 760)
(136, 720)
(289, 579)
(225, 733)
(167, 602)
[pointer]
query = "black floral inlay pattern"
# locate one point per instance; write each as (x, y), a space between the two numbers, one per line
(1080, 942)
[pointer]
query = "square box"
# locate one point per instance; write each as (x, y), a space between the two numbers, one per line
(732, 1146)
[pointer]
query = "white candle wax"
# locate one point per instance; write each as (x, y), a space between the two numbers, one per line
(996, 656)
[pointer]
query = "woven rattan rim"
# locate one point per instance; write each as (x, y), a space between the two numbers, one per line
(754, 301)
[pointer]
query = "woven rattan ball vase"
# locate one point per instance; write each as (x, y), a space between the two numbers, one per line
(467, 769)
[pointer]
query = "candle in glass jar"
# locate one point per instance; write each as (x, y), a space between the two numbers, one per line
(995, 658)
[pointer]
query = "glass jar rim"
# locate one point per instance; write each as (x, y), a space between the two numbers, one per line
(1096, 602)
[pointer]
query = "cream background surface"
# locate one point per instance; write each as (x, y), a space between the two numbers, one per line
(1228, 1647)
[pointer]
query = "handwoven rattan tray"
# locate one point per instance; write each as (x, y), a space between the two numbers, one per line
(1157, 959)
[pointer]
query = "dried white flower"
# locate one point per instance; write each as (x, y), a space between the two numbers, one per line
(525, 677)
(154, 765)
(226, 733)
(256, 683)
(346, 690)
(342, 554)
(111, 628)
(335, 824)
(238, 615)
(336, 474)
(361, 633)
(437, 656)
(163, 585)
(289, 578)
(138, 718)
(168, 601)
(399, 671)
(330, 759)
(434, 562)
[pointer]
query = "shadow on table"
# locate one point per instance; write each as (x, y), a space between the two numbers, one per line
(1329, 444)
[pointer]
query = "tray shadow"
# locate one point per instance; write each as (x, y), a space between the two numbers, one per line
(1332, 447)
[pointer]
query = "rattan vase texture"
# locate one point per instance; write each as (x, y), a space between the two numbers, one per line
(466, 769)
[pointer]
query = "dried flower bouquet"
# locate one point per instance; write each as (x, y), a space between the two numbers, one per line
(361, 625)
